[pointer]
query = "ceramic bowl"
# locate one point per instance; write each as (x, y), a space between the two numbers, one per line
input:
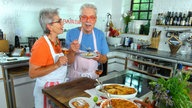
(127, 96)
(117, 102)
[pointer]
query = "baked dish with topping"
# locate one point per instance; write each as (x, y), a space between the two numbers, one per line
(119, 89)
(119, 103)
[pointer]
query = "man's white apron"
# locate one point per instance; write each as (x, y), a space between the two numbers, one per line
(83, 67)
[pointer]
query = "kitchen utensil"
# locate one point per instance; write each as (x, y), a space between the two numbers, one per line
(109, 100)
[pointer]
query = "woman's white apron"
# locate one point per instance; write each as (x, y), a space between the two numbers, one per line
(57, 76)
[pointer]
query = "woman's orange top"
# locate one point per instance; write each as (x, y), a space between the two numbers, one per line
(41, 54)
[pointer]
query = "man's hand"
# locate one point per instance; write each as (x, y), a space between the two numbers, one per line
(100, 58)
(97, 58)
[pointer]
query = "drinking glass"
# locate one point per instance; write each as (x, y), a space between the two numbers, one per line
(65, 52)
(99, 70)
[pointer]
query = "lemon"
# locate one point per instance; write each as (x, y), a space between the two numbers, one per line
(95, 99)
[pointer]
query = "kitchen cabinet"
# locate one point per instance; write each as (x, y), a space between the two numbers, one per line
(21, 86)
(18, 85)
(148, 66)
(3, 103)
(116, 61)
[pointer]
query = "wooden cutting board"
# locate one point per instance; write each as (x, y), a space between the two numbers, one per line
(63, 93)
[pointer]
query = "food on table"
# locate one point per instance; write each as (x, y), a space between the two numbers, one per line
(95, 99)
(118, 89)
(119, 103)
(80, 103)
(89, 54)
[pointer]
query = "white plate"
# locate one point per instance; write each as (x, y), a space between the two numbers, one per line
(129, 96)
(85, 55)
(88, 100)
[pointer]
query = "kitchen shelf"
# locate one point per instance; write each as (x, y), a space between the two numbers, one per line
(168, 70)
(169, 26)
(152, 64)
(145, 72)
(132, 34)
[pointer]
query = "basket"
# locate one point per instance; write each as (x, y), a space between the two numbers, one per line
(174, 48)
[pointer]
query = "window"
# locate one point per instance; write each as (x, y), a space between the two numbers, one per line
(142, 9)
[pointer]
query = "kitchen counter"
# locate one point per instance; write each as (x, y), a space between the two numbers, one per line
(61, 94)
(14, 60)
(10, 68)
(161, 55)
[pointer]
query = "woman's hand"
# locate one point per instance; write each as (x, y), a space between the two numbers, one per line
(62, 61)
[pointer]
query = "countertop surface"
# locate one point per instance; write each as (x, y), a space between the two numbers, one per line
(61, 94)
(161, 55)
(164, 55)
(13, 60)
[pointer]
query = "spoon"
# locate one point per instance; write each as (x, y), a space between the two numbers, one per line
(108, 99)
(88, 49)
(101, 85)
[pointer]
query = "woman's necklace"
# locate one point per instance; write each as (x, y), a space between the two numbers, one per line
(56, 41)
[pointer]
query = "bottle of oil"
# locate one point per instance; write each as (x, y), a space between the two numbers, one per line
(1, 34)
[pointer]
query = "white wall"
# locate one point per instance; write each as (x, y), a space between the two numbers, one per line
(162, 6)
(20, 17)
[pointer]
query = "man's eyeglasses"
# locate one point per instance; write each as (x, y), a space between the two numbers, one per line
(84, 18)
(59, 21)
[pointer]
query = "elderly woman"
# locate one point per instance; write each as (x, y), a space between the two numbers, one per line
(47, 62)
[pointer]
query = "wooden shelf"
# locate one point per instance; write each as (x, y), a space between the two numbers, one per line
(169, 26)
(169, 69)
(152, 64)
(132, 34)
(145, 72)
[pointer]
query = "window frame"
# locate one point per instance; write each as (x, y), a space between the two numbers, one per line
(139, 11)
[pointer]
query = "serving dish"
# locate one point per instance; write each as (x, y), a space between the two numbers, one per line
(83, 102)
(119, 103)
(127, 91)
(88, 55)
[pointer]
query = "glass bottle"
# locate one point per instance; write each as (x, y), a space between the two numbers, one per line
(179, 71)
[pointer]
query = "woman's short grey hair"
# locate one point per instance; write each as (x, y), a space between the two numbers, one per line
(87, 5)
(46, 17)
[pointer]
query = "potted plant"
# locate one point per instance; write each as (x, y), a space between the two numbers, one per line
(172, 93)
(127, 17)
